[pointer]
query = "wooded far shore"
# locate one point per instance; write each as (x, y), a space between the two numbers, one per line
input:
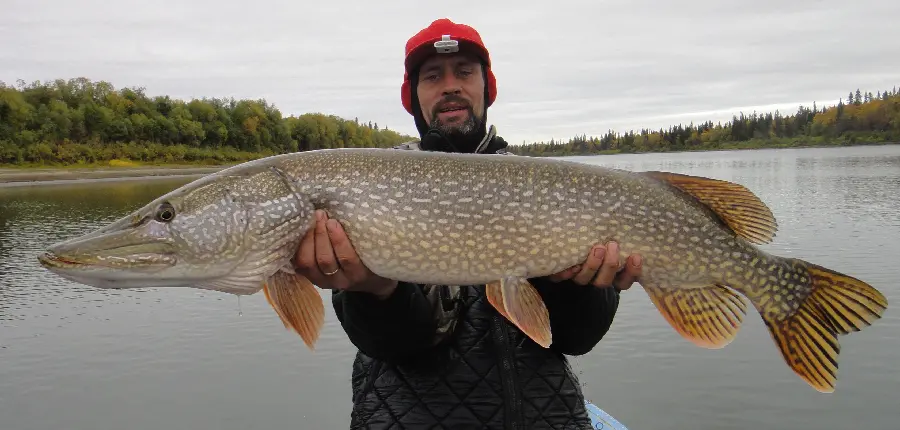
(70, 125)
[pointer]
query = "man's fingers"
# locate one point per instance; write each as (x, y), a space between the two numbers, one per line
(347, 257)
(591, 264)
(565, 274)
(630, 274)
(609, 267)
(338, 281)
(305, 260)
(325, 258)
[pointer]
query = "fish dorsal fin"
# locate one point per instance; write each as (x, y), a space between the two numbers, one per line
(735, 205)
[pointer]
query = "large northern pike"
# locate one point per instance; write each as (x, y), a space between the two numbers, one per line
(463, 219)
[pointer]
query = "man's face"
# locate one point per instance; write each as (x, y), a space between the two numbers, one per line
(451, 93)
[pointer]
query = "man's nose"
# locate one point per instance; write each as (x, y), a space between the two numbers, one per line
(452, 91)
(451, 85)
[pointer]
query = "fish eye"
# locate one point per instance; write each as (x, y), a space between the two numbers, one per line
(165, 212)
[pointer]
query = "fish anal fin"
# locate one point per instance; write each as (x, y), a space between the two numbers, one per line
(709, 317)
(519, 302)
(808, 339)
(297, 303)
(739, 208)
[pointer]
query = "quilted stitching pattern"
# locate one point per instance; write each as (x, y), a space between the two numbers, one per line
(460, 386)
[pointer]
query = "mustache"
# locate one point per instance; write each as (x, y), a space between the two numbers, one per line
(451, 99)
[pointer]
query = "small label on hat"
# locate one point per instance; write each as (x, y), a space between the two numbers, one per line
(446, 45)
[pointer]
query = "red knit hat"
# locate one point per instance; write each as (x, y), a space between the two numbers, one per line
(444, 36)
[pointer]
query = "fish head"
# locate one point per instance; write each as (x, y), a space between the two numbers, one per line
(226, 233)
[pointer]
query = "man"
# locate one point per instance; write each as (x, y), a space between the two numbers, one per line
(437, 356)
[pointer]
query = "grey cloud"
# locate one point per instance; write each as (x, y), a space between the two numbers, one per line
(564, 68)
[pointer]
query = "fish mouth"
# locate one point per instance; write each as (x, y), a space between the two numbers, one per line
(50, 260)
(128, 267)
(118, 251)
(122, 258)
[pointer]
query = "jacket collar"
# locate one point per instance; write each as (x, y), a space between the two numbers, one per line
(490, 143)
(486, 141)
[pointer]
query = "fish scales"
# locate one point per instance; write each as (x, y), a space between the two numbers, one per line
(494, 217)
(471, 220)
(462, 219)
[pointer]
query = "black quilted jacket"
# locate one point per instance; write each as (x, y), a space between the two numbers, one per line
(441, 357)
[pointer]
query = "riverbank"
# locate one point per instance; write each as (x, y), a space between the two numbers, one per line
(122, 169)
(69, 174)
(569, 150)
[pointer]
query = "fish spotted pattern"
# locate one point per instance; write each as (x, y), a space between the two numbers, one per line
(462, 219)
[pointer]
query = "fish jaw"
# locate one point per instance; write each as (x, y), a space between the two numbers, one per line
(90, 274)
(128, 271)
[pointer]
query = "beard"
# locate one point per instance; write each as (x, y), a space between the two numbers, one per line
(457, 130)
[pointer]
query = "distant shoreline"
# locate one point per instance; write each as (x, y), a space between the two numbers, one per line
(13, 175)
(26, 175)
(732, 146)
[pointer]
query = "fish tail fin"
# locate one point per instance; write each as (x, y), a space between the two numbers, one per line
(298, 304)
(836, 304)
(708, 316)
(519, 302)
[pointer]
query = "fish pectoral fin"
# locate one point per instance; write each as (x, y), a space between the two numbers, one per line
(741, 210)
(709, 317)
(298, 304)
(495, 298)
(808, 340)
(519, 302)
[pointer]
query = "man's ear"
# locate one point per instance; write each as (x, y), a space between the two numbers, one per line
(418, 115)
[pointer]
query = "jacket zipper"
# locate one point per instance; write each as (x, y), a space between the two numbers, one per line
(507, 375)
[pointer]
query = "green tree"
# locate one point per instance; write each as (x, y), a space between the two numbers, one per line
(78, 121)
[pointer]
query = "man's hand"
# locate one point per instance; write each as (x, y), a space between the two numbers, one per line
(601, 269)
(326, 257)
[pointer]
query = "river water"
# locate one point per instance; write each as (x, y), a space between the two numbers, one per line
(73, 357)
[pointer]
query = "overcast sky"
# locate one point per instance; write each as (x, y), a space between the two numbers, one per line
(563, 67)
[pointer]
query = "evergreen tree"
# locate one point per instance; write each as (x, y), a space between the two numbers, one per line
(873, 119)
